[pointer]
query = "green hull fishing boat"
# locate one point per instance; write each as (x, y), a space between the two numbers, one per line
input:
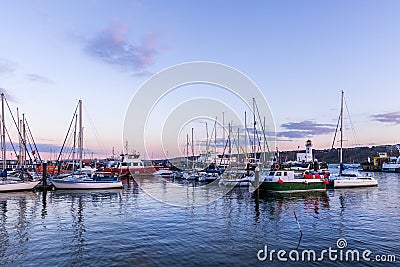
(286, 181)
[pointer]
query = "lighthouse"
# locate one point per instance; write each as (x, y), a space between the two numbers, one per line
(309, 156)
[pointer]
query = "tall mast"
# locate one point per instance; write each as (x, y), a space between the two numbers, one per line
(264, 143)
(3, 133)
(19, 140)
(341, 130)
(254, 129)
(74, 147)
(207, 142)
(215, 140)
(223, 126)
(245, 135)
(187, 150)
(193, 148)
(229, 139)
(23, 140)
(238, 146)
(80, 136)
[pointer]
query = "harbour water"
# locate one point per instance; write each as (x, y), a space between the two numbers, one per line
(130, 228)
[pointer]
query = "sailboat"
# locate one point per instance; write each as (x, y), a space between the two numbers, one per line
(236, 176)
(348, 179)
(80, 179)
(15, 182)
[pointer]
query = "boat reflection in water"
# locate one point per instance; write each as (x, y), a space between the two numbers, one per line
(16, 209)
(129, 227)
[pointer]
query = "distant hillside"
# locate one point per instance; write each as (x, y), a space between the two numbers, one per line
(350, 155)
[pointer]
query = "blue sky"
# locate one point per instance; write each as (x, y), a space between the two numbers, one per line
(300, 54)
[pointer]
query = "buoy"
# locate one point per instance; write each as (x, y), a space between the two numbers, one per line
(280, 181)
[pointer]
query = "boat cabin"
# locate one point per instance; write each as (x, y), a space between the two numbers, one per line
(280, 175)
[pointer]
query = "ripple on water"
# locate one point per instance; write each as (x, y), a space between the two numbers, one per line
(129, 228)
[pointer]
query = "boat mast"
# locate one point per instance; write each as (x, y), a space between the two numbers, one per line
(264, 144)
(238, 147)
(23, 143)
(341, 132)
(254, 129)
(193, 148)
(19, 140)
(341, 129)
(207, 143)
(229, 139)
(223, 125)
(245, 135)
(80, 136)
(187, 150)
(74, 147)
(3, 132)
(215, 140)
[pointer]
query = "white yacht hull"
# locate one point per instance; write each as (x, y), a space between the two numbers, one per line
(346, 183)
(86, 185)
(8, 185)
(235, 182)
(391, 167)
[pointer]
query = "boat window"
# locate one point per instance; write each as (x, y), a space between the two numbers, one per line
(285, 174)
(278, 174)
(124, 164)
(271, 173)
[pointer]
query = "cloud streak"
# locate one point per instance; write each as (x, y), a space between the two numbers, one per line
(112, 47)
(305, 129)
(38, 78)
(389, 118)
(6, 67)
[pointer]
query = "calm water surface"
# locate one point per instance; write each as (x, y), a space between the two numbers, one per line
(129, 228)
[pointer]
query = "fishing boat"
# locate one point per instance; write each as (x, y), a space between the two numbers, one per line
(131, 164)
(350, 178)
(16, 181)
(393, 165)
(283, 181)
(80, 179)
(376, 164)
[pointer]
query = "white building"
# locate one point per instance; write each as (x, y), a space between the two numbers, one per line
(307, 156)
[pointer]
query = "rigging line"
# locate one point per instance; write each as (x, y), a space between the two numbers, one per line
(16, 125)
(12, 145)
(69, 154)
(263, 129)
(334, 137)
(223, 152)
(70, 125)
(33, 140)
(95, 132)
(351, 123)
(30, 146)
(69, 143)
(35, 158)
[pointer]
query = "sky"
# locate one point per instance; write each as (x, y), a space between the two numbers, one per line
(301, 54)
